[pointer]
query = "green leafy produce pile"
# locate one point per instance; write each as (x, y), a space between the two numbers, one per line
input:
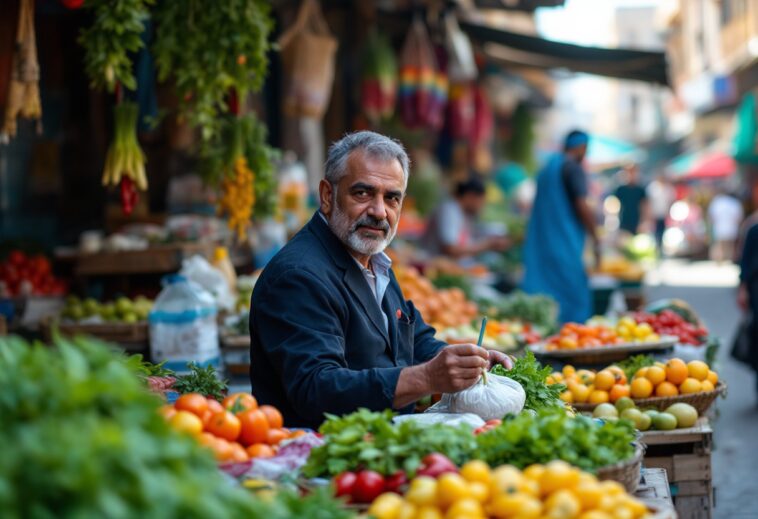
(201, 380)
(553, 434)
(532, 375)
(83, 439)
(369, 440)
(538, 310)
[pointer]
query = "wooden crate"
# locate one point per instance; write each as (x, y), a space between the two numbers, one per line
(654, 491)
(157, 259)
(685, 454)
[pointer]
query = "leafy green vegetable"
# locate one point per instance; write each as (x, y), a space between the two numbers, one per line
(115, 34)
(538, 310)
(201, 380)
(369, 440)
(532, 375)
(553, 434)
(148, 369)
(633, 364)
(83, 439)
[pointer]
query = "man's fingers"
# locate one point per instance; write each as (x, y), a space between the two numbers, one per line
(465, 350)
(466, 373)
(471, 361)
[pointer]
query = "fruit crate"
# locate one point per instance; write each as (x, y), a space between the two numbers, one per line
(654, 490)
(685, 454)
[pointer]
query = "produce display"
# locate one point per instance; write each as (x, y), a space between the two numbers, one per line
(657, 379)
(555, 490)
(22, 275)
(553, 434)
(235, 429)
(498, 335)
(440, 308)
(669, 322)
(122, 310)
(574, 336)
(621, 268)
(539, 311)
(679, 415)
(86, 437)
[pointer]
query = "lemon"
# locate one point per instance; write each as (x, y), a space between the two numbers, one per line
(386, 506)
(451, 488)
(423, 491)
(562, 504)
(467, 507)
(476, 470)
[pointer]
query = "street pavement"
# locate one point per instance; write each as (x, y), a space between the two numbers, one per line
(710, 289)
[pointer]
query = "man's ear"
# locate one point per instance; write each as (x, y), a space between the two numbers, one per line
(325, 196)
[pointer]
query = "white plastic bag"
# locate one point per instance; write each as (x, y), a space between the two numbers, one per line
(491, 401)
(199, 270)
(431, 418)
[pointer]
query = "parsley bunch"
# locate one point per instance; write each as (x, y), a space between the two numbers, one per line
(532, 375)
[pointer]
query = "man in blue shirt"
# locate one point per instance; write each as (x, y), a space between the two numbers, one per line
(330, 330)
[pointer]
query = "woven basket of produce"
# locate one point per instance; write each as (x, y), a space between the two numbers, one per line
(626, 472)
(701, 401)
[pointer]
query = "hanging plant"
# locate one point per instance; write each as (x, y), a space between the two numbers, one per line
(211, 49)
(112, 37)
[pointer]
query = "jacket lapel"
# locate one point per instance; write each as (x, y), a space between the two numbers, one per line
(353, 277)
(388, 303)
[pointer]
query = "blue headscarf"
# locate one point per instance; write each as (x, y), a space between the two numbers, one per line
(575, 139)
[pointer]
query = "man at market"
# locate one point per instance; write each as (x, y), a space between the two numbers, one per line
(555, 235)
(330, 330)
(451, 229)
(632, 198)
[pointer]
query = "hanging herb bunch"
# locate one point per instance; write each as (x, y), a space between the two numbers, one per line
(215, 57)
(115, 34)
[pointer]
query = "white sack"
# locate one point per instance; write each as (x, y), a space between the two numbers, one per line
(452, 419)
(493, 400)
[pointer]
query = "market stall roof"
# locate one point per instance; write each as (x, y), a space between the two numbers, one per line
(712, 162)
(604, 151)
(532, 51)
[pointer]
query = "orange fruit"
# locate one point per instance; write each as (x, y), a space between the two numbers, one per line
(238, 402)
(598, 397)
(567, 397)
(239, 454)
(604, 380)
(586, 376)
(690, 385)
(223, 450)
(676, 371)
(655, 374)
(640, 373)
(260, 450)
(618, 391)
(697, 369)
(666, 389)
(195, 403)
(641, 388)
(707, 386)
(275, 436)
(255, 427)
(185, 421)
(713, 377)
(273, 416)
(580, 391)
(619, 373)
(167, 411)
(224, 425)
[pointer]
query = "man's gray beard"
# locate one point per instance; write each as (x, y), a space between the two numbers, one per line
(348, 233)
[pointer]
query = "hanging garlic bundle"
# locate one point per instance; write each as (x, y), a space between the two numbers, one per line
(23, 94)
(238, 197)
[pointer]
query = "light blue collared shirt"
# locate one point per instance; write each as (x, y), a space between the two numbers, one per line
(377, 277)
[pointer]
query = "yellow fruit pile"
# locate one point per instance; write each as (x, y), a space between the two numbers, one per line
(553, 490)
(238, 198)
(440, 308)
(608, 385)
(673, 378)
(629, 331)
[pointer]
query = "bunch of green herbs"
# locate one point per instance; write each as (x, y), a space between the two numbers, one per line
(203, 380)
(532, 376)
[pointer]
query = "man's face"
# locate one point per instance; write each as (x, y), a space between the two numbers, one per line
(472, 203)
(364, 208)
(581, 152)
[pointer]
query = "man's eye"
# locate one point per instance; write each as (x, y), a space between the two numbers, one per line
(361, 193)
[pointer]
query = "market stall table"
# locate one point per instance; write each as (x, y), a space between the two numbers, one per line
(654, 489)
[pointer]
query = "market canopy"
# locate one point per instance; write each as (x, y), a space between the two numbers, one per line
(525, 50)
(713, 162)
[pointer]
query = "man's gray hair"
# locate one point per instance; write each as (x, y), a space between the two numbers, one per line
(374, 145)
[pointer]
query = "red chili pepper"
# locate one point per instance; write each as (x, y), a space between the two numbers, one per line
(129, 195)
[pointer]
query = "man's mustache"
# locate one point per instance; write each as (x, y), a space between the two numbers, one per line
(370, 221)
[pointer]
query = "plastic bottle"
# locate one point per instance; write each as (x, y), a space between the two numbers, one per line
(183, 326)
(222, 262)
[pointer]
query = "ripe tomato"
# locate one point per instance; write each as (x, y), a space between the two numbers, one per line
(254, 427)
(238, 402)
(167, 411)
(275, 436)
(223, 450)
(193, 402)
(368, 486)
(274, 417)
(214, 406)
(260, 450)
(185, 421)
(239, 454)
(224, 425)
(344, 484)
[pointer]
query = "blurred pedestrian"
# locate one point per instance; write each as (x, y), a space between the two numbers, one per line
(660, 195)
(747, 299)
(451, 228)
(560, 219)
(633, 199)
(725, 214)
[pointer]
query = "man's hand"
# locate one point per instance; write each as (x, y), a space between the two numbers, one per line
(455, 368)
(498, 357)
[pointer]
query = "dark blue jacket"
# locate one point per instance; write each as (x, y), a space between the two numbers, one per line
(318, 340)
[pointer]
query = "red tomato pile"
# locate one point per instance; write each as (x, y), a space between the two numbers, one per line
(488, 426)
(669, 322)
(235, 429)
(22, 275)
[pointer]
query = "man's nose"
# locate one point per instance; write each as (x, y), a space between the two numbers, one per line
(377, 209)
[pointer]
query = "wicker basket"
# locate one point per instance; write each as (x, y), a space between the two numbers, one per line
(700, 401)
(626, 472)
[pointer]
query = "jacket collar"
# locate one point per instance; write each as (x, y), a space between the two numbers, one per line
(334, 247)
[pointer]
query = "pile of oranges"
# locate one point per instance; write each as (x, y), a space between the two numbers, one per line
(673, 378)
(236, 429)
(575, 335)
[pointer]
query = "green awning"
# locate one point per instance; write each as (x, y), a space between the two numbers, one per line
(746, 138)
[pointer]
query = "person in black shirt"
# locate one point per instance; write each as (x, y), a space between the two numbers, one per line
(633, 199)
